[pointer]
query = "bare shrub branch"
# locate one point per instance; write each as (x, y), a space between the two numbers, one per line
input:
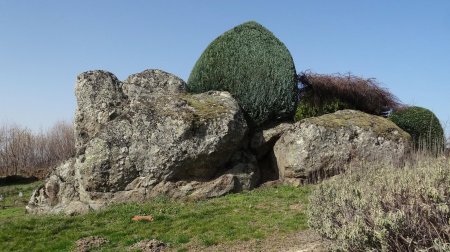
(363, 94)
(25, 153)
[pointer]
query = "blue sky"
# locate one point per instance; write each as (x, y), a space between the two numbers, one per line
(44, 45)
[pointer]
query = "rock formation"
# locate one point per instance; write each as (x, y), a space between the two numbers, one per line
(319, 147)
(143, 137)
(146, 136)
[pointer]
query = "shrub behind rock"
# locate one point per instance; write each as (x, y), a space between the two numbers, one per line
(386, 209)
(254, 66)
(305, 109)
(423, 126)
(322, 93)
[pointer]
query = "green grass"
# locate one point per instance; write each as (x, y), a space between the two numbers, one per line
(244, 216)
(13, 206)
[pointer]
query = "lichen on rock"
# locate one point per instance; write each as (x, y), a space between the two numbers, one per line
(346, 118)
(146, 136)
(319, 147)
(136, 134)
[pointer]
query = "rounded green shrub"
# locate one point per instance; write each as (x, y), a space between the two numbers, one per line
(423, 126)
(255, 67)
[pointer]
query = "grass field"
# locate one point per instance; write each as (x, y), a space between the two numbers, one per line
(13, 206)
(252, 215)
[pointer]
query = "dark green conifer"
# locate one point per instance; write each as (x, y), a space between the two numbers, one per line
(255, 67)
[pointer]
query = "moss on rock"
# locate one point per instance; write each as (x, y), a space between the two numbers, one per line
(348, 118)
(207, 107)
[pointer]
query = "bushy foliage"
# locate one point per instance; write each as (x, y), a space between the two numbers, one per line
(322, 93)
(386, 208)
(254, 66)
(306, 109)
(423, 126)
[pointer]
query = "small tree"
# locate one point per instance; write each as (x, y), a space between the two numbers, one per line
(255, 67)
(23, 152)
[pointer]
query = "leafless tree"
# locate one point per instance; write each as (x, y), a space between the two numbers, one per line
(23, 152)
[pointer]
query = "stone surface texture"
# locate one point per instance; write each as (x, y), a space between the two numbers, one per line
(142, 133)
(262, 140)
(319, 147)
(146, 137)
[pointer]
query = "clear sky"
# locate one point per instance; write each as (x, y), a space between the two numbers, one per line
(44, 45)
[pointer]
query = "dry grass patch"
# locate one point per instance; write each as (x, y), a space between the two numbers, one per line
(385, 208)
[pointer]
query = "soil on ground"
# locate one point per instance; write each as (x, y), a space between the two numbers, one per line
(88, 243)
(303, 241)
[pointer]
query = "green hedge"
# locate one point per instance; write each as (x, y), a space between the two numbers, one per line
(306, 110)
(255, 67)
(423, 126)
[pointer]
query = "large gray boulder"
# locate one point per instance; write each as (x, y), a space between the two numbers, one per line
(319, 147)
(145, 131)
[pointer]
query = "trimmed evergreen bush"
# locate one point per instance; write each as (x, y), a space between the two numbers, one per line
(255, 67)
(423, 126)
